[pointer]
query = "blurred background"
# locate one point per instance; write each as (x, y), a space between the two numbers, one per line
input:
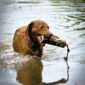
(66, 19)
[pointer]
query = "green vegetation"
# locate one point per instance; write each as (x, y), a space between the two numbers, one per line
(3, 46)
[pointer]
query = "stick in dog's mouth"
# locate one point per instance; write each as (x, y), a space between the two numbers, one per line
(54, 40)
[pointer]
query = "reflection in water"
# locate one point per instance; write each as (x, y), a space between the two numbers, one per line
(30, 73)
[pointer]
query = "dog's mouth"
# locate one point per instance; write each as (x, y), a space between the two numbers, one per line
(52, 40)
(40, 40)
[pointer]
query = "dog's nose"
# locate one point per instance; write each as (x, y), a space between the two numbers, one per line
(48, 34)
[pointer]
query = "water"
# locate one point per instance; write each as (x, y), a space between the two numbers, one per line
(65, 19)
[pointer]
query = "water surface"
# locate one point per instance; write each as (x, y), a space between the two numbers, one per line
(65, 19)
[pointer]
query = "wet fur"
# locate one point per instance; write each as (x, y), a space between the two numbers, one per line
(21, 40)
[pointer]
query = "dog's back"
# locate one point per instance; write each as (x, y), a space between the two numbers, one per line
(22, 44)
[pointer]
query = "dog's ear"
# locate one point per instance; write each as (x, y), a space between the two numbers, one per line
(30, 26)
(34, 45)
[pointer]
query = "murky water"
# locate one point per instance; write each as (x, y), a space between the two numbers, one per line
(66, 19)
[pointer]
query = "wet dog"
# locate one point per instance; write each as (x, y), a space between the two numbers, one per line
(28, 40)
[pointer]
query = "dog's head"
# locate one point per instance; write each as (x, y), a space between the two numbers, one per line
(39, 29)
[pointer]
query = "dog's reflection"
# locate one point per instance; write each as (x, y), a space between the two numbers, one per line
(30, 73)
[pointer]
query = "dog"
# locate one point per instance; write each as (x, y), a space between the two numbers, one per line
(27, 40)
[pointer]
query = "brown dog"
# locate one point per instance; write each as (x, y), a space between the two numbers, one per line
(28, 39)
(31, 39)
